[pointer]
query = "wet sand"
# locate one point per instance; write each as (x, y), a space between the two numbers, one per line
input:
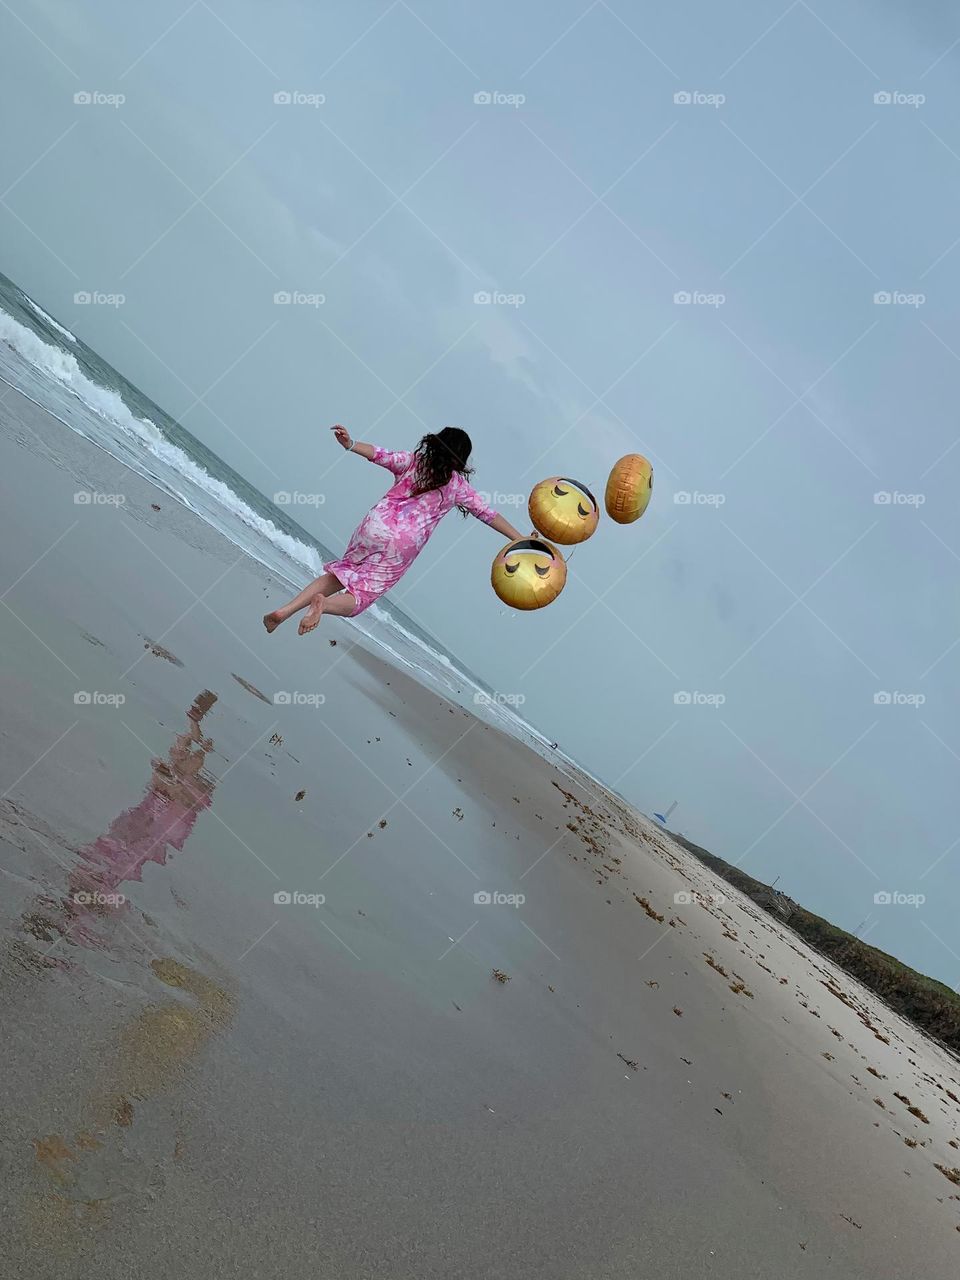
(197, 1080)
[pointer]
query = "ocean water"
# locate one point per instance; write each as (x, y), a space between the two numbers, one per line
(48, 363)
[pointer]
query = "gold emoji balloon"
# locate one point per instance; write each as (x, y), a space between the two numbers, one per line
(629, 488)
(528, 574)
(563, 510)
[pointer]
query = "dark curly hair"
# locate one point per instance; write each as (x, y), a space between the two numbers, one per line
(438, 456)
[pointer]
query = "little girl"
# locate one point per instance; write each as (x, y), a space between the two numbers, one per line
(430, 482)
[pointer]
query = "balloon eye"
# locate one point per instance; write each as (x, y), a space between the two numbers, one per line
(583, 510)
(512, 568)
(542, 572)
(560, 493)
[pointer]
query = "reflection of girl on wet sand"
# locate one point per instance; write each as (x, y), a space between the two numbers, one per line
(163, 819)
(90, 1163)
(178, 790)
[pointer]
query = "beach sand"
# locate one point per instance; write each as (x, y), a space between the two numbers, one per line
(199, 1081)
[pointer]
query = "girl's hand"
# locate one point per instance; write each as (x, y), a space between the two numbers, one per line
(342, 436)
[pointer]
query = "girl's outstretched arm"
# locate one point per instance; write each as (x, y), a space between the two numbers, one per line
(506, 528)
(353, 446)
(470, 500)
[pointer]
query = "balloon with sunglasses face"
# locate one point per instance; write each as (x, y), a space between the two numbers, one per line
(563, 510)
(528, 574)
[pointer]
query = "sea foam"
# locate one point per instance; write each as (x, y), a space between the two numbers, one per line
(111, 407)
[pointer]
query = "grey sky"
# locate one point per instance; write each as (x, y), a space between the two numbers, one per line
(798, 198)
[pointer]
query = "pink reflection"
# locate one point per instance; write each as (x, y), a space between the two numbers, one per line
(164, 818)
(178, 791)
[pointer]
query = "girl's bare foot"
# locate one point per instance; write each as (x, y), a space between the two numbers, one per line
(272, 620)
(313, 615)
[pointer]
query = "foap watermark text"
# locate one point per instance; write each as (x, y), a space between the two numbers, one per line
(94, 698)
(694, 698)
(298, 499)
(295, 698)
(894, 898)
(494, 898)
(885, 698)
(482, 699)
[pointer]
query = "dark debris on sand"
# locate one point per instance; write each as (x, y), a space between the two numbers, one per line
(250, 688)
(159, 651)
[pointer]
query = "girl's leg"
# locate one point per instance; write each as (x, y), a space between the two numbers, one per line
(325, 585)
(341, 605)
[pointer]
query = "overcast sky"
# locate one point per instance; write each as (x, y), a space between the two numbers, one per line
(782, 397)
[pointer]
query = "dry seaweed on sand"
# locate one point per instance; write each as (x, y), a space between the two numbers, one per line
(250, 688)
(159, 651)
(500, 975)
(651, 911)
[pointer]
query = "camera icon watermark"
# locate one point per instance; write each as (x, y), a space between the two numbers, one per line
(94, 898)
(897, 98)
(694, 498)
(494, 898)
(283, 498)
(886, 898)
(894, 498)
(494, 98)
(499, 699)
(297, 98)
(697, 98)
(87, 698)
(884, 698)
(697, 298)
(96, 98)
(295, 698)
(495, 298)
(97, 298)
(498, 499)
(295, 898)
(694, 698)
(92, 498)
(688, 897)
(898, 298)
(296, 298)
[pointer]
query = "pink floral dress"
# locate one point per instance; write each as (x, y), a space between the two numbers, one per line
(394, 532)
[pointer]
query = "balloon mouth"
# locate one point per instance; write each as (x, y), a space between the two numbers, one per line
(530, 546)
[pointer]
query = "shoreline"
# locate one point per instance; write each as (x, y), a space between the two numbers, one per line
(240, 1083)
